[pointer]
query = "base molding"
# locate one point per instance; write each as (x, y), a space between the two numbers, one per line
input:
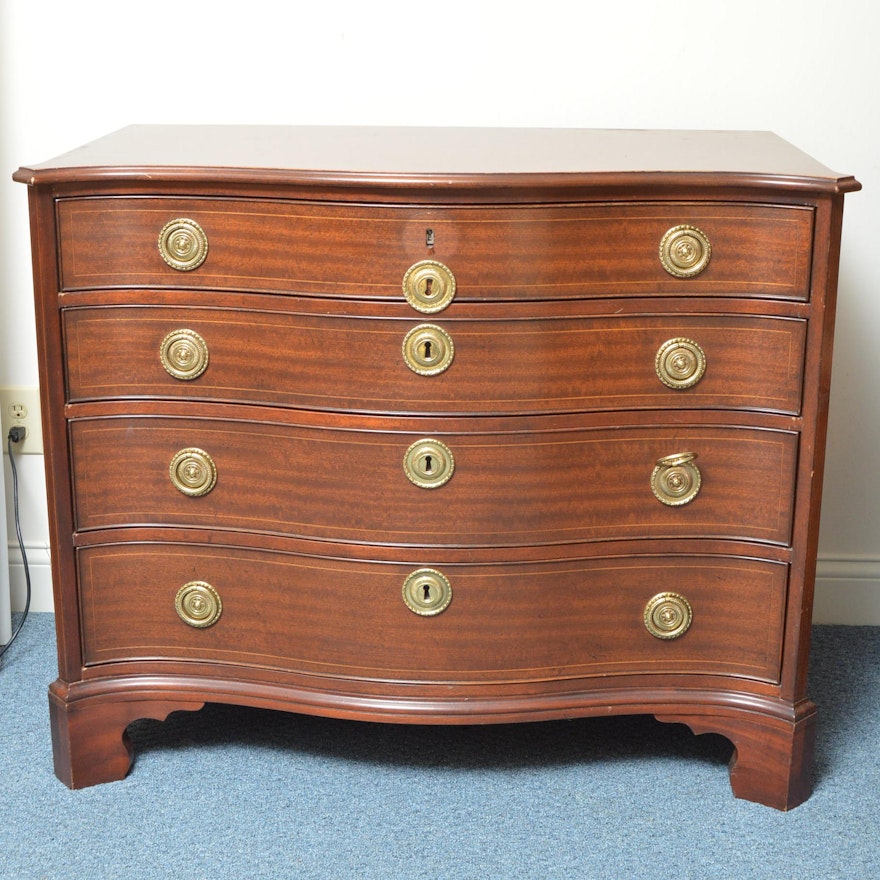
(773, 739)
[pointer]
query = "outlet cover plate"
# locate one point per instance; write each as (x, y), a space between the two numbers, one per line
(21, 406)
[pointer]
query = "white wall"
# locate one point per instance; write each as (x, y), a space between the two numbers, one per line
(808, 70)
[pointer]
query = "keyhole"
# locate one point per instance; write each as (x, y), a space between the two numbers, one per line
(426, 347)
(427, 592)
(429, 284)
(429, 464)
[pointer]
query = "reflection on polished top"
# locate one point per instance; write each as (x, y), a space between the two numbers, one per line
(349, 152)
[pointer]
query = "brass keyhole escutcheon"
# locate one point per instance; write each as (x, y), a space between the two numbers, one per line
(676, 480)
(680, 363)
(427, 592)
(429, 286)
(685, 251)
(184, 354)
(428, 350)
(198, 604)
(429, 463)
(193, 472)
(668, 616)
(183, 244)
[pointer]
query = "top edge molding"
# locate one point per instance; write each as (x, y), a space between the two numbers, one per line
(441, 158)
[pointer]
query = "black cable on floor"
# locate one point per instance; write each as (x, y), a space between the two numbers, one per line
(9, 441)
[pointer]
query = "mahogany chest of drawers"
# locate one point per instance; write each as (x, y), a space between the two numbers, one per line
(436, 426)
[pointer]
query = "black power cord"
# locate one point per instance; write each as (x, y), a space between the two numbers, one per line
(16, 435)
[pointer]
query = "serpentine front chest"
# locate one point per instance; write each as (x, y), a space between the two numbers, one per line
(436, 426)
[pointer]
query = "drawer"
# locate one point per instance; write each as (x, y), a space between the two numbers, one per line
(504, 624)
(338, 362)
(527, 485)
(494, 253)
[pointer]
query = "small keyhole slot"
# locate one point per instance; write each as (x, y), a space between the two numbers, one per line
(428, 463)
(429, 288)
(426, 350)
(427, 592)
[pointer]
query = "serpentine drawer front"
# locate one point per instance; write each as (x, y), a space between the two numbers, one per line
(483, 488)
(495, 254)
(594, 608)
(451, 364)
(436, 426)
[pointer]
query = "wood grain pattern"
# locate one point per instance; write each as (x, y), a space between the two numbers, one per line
(305, 358)
(576, 618)
(507, 489)
(494, 253)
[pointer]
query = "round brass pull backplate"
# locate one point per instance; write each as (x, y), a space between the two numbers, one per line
(183, 244)
(427, 592)
(428, 350)
(184, 354)
(198, 604)
(193, 472)
(680, 363)
(676, 480)
(429, 463)
(685, 251)
(429, 286)
(668, 616)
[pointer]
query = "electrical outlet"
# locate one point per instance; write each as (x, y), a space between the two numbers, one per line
(21, 406)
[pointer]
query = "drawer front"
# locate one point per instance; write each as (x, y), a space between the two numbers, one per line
(345, 617)
(494, 253)
(346, 363)
(529, 486)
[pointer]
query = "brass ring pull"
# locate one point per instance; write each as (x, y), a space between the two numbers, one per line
(193, 472)
(685, 251)
(680, 363)
(183, 244)
(198, 604)
(427, 592)
(668, 616)
(429, 463)
(429, 286)
(676, 459)
(428, 350)
(184, 354)
(676, 480)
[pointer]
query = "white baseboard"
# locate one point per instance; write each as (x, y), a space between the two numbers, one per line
(847, 589)
(40, 570)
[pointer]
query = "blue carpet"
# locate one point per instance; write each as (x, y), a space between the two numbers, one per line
(231, 792)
